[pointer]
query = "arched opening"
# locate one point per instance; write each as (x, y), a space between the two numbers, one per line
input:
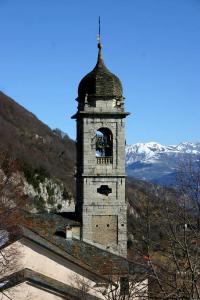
(104, 146)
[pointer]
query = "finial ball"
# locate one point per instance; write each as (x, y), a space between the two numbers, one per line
(99, 45)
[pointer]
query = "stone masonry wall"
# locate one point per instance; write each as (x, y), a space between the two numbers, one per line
(96, 206)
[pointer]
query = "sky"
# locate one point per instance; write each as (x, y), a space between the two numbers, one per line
(153, 46)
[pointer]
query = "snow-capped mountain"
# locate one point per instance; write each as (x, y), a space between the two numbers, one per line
(158, 163)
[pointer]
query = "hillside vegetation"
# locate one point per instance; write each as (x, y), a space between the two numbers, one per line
(27, 139)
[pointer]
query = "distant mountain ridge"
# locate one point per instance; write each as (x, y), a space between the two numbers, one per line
(158, 163)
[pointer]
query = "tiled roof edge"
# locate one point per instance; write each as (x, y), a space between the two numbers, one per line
(32, 236)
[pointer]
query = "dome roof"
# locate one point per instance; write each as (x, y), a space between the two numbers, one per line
(100, 82)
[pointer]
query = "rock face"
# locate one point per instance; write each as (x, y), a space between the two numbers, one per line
(46, 195)
(49, 196)
(157, 163)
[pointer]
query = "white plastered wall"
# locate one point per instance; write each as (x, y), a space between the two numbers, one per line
(33, 256)
(25, 291)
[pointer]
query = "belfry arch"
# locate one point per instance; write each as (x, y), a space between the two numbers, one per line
(104, 142)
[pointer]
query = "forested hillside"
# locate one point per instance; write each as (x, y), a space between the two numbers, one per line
(26, 138)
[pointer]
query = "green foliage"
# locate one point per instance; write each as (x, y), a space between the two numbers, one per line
(30, 176)
(129, 244)
(5, 166)
(50, 190)
(34, 176)
(40, 204)
(42, 174)
(51, 201)
(59, 206)
(53, 210)
(66, 195)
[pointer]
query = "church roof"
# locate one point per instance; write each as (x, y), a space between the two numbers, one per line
(87, 256)
(100, 83)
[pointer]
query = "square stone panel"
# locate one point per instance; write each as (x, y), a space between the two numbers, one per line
(104, 229)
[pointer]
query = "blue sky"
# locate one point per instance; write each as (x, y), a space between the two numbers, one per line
(47, 46)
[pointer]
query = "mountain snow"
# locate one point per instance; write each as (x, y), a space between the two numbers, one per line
(158, 163)
(150, 152)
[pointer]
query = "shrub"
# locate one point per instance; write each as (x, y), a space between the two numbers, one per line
(34, 176)
(51, 201)
(66, 195)
(40, 204)
(50, 190)
(59, 206)
(129, 244)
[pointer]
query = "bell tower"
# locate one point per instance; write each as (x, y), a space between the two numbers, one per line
(100, 164)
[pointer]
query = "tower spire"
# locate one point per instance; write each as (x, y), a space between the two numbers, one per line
(100, 57)
(101, 109)
(99, 33)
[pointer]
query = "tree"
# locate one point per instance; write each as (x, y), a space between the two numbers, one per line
(14, 214)
(12, 199)
(114, 287)
(174, 262)
(127, 288)
(166, 235)
(119, 284)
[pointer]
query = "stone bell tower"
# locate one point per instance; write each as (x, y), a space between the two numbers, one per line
(100, 176)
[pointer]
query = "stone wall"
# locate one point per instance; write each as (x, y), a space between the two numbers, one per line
(91, 176)
(104, 229)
